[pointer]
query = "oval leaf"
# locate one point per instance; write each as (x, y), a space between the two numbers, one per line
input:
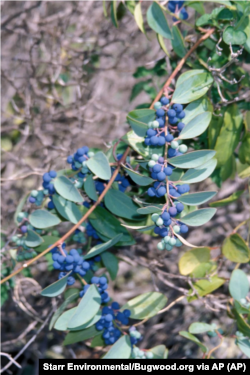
(56, 288)
(192, 159)
(32, 239)
(235, 249)
(89, 187)
(81, 335)
(139, 18)
(224, 202)
(145, 305)
(111, 263)
(67, 189)
(197, 328)
(196, 126)
(200, 173)
(121, 205)
(87, 308)
(98, 249)
(43, 219)
(195, 199)
(157, 20)
(191, 337)
(120, 350)
(198, 217)
(150, 210)
(193, 258)
(238, 285)
(193, 87)
(99, 165)
(139, 118)
(233, 36)
(69, 210)
(63, 306)
(139, 179)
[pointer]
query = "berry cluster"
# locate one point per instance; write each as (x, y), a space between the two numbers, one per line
(177, 8)
(91, 232)
(67, 262)
(37, 196)
(79, 236)
(135, 336)
(167, 226)
(78, 161)
(110, 322)
(141, 354)
(102, 285)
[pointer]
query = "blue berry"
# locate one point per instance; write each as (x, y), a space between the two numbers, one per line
(161, 122)
(161, 176)
(183, 14)
(151, 132)
(165, 215)
(32, 199)
(178, 107)
(154, 140)
(151, 192)
(184, 228)
(169, 138)
(115, 305)
(164, 100)
(181, 115)
(161, 141)
(173, 120)
(172, 211)
(46, 177)
(179, 207)
(168, 171)
(160, 112)
(161, 191)
(171, 113)
(52, 174)
(180, 126)
(156, 168)
(95, 280)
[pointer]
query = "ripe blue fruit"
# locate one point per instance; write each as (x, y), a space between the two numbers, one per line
(32, 199)
(163, 232)
(178, 107)
(169, 138)
(160, 112)
(164, 100)
(172, 211)
(179, 207)
(157, 230)
(69, 259)
(70, 159)
(102, 280)
(154, 140)
(165, 215)
(162, 191)
(173, 120)
(161, 176)
(184, 228)
(161, 160)
(127, 313)
(161, 141)
(161, 122)
(181, 115)
(115, 305)
(108, 318)
(183, 14)
(147, 141)
(180, 126)
(46, 177)
(52, 174)
(171, 113)
(95, 280)
(168, 171)
(156, 168)
(171, 152)
(151, 132)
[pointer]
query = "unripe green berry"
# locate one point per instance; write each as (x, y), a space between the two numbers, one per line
(155, 157)
(172, 241)
(157, 105)
(150, 124)
(84, 170)
(174, 144)
(155, 124)
(183, 148)
(45, 191)
(77, 164)
(151, 163)
(166, 239)
(91, 154)
(159, 222)
(14, 238)
(34, 193)
(133, 333)
(84, 163)
(149, 355)
(176, 228)
(169, 247)
(78, 184)
(160, 246)
(155, 217)
(178, 243)
(179, 141)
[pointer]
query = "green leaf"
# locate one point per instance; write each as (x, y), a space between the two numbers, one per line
(200, 173)
(243, 325)
(99, 165)
(197, 5)
(47, 241)
(233, 36)
(195, 199)
(121, 205)
(160, 352)
(150, 210)
(98, 249)
(120, 350)
(191, 337)
(67, 189)
(138, 144)
(193, 258)
(162, 44)
(214, 130)
(244, 345)
(193, 87)
(89, 187)
(229, 136)
(20, 207)
(192, 159)
(157, 20)
(198, 217)
(56, 288)
(196, 108)
(63, 322)
(197, 328)
(245, 173)
(138, 178)
(224, 202)
(138, 120)
(87, 308)
(63, 306)
(43, 219)
(244, 150)
(235, 249)
(32, 239)
(111, 263)
(81, 335)
(114, 13)
(196, 126)
(176, 174)
(145, 305)
(98, 341)
(178, 42)
(139, 18)
(108, 226)
(238, 285)
(204, 287)
(69, 210)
